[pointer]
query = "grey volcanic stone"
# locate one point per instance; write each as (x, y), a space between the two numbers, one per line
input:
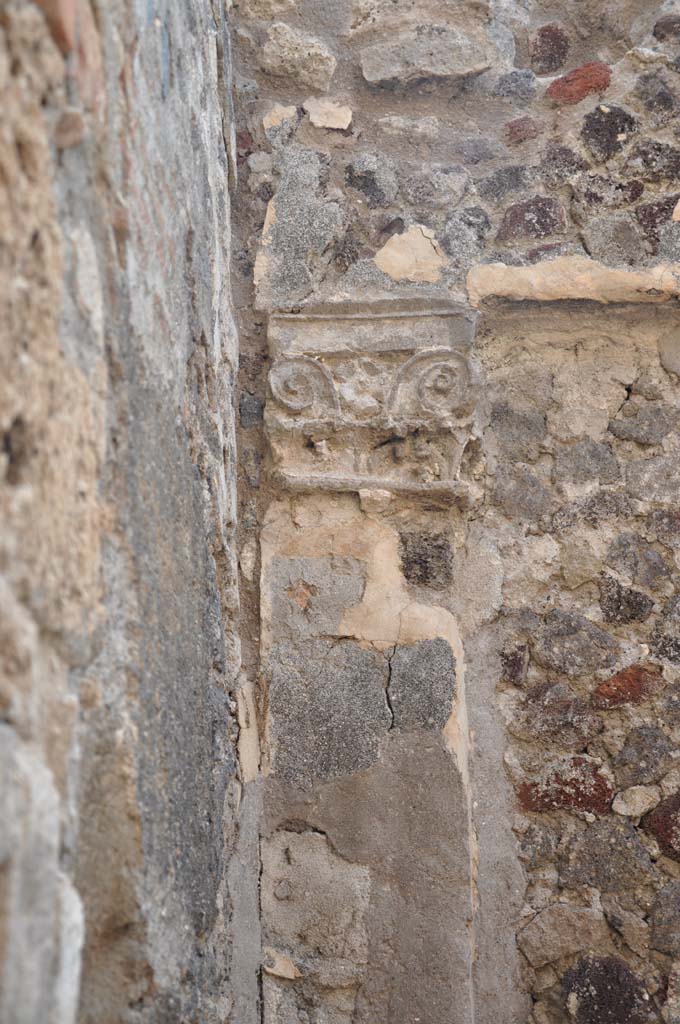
(422, 684)
(604, 989)
(426, 559)
(572, 644)
(560, 931)
(328, 708)
(609, 856)
(645, 757)
(655, 479)
(635, 557)
(375, 176)
(519, 493)
(519, 84)
(649, 424)
(585, 461)
(621, 604)
(666, 638)
(429, 51)
(665, 920)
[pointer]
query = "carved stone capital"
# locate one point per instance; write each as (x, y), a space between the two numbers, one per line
(366, 397)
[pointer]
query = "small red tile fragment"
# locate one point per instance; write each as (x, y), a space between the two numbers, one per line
(572, 784)
(590, 78)
(632, 685)
(522, 129)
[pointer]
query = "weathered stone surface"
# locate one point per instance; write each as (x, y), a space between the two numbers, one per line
(637, 559)
(664, 525)
(585, 461)
(300, 225)
(290, 53)
(574, 783)
(631, 685)
(426, 559)
(621, 604)
(571, 644)
(518, 492)
(431, 51)
(590, 78)
(514, 663)
(645, 756)
(669, 353)
(328, 708)
(599, 989)
(488, 452)
(437, 186)
(616, 238)
(519, 84)
(572, 277)
(667, 27)
(519, 432)
(523, 129)
(648, 424)
(636, 801)
(608, 856)
(380, 821)
(606, 130)
(655, 479)
(553, 712)
(313, 900)
(117, 501)
(375, 177)
(325, 113)
(560, 931)
(654, 161)
(513, 178)
(665, 920)
(422, 684)
(310, 595)
(663, 823)
(538, 217)
(666, 637)
(549, 49)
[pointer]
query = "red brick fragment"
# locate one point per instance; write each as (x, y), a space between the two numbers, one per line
(523, 129)
(572, 784)
(590, 78)
(663, 823)
(632, 685)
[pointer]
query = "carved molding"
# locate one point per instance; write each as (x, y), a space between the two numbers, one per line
(366, 398)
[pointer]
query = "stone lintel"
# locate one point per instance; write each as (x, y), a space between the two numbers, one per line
(573, 277)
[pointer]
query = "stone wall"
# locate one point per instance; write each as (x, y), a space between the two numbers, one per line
(457, 269)
(360, 705)
(120, 864)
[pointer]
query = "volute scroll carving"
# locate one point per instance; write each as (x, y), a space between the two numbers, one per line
(303, 385)
(434, 383)
(381, 398)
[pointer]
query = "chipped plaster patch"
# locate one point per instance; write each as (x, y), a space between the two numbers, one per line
(413, 256)
(262, 260)
(277, 115)
(325, 113)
